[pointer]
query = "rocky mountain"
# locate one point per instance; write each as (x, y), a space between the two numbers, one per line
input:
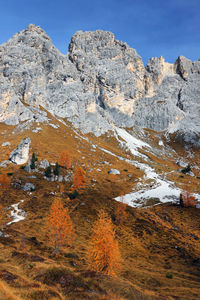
(147, 184)
(99, 83)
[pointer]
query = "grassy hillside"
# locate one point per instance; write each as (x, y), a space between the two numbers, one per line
(160, 245)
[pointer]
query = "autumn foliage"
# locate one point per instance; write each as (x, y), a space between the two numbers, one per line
(65, 160)
(60, 225)
(103, 254)
(188, 199)
(79, 180)
(4, 182)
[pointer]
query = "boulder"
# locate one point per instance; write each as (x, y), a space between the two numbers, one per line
(53, 178)
(17, 184)
(4, 163)
(5, 144)
(44, 164)
(28, 167)
(20, 155)
(181, 163)
(60, 178)
(28, 187)
(114, 172)
(191, 174)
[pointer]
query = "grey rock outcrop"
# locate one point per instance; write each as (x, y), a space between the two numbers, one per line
(181, 163)
(5, 144)
(175, 105)
(20, 155)
(43, 164)
(60, 178)
(4, 163)
(99, 82)
(28, 167)
(114, 172)
(17, 184)
(28, 187)
(92, 86)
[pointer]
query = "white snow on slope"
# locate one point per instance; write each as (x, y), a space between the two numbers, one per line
(132, 143)
(16, 213)
(160, 187)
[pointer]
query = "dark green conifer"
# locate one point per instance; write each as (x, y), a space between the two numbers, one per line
(33, 160)
(47, 172)
(56, 170)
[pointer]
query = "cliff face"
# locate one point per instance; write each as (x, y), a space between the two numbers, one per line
(98, 83)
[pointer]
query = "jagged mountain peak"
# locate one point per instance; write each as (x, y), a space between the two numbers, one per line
(33, 36)
(100, 82)
(34, 28)
(102, 44)
(94, 36)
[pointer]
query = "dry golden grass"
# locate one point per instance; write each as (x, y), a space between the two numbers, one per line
(7, 293)
(155, 243)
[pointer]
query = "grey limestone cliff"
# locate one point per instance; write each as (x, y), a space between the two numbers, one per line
(99, 83)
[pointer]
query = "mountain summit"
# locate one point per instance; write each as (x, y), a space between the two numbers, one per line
(98, 83)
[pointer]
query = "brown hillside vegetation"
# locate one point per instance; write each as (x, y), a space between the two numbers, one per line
(159, 246)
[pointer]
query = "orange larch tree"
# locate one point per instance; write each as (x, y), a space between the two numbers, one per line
(188, 199)
(103, 253)
(79, 180)
(65, 160)
(60, 225)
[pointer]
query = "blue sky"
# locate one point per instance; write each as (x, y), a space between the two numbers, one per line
(153, 27)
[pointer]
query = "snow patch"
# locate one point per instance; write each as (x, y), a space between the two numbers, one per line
(158, 188)
(54, 126)
(164, 190)
(36, 130)
(16, 213)
(131, 142)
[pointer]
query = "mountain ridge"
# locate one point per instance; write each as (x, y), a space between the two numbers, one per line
(99, 82)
